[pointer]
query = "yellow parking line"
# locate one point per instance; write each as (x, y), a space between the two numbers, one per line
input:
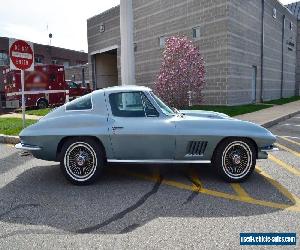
(288, 149)
(215, 193)
(279, 187)
(156, 173)
(284, 165)
(240, 191)
(289, 140)
(196, 181)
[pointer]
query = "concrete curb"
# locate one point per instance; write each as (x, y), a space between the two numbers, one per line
(8, 139)
(279, 119)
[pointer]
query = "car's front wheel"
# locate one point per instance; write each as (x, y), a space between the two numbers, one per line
(235, 159)
(81, 160)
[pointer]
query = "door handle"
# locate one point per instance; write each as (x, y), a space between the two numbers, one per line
(116, 128)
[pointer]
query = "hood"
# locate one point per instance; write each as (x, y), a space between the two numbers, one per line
(205, 114)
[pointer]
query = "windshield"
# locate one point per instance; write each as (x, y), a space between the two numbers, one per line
(165, 109)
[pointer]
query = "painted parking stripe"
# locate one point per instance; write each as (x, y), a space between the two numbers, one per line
(287, 149)
(284, 165)
(288, 124)
(289, 140)
(239, 190)
(279, 187)
(294, 208)
(286, 136)
(195, 179)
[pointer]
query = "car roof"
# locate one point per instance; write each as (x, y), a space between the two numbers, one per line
(123, 88)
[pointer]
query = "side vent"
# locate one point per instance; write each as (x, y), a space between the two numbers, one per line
(196, 148)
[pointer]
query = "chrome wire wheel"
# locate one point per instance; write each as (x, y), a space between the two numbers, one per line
(80, 161)
(237, 160)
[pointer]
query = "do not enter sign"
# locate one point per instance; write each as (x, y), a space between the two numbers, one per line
(21, 58)
(21, 55)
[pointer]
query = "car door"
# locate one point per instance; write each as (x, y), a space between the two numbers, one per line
(137, 130)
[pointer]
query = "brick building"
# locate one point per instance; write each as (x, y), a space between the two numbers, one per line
(45, 54)
(249, 47)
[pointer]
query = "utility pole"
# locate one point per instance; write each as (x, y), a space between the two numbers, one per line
(127, 46)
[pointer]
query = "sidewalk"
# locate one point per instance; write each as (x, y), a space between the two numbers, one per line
(271, 116)
(16, 115)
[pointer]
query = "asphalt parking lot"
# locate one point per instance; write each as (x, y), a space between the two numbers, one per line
(178, 207)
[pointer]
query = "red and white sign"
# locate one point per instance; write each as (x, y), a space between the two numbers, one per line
(21, 55)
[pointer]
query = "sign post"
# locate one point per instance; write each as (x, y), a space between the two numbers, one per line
(21, 58)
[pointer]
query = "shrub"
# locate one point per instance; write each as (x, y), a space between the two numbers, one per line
(182, 74)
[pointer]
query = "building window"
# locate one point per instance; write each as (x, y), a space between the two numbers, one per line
(66, 64)
(102, 27)
(80, 62)
(54, 61)
(291, 25)
(196, 32)
(274, 13)
(38, 59)
(162, 42)
(3, 58)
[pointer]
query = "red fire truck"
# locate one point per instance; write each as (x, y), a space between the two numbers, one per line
(45, 86)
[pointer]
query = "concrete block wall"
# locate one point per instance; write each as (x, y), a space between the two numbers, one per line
(153, 19)
(99, 42)
(245, 51)
(297, 90)
(230, 43)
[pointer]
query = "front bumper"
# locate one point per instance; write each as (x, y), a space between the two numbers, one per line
(269, 149)
(263, 152)
(27, 147)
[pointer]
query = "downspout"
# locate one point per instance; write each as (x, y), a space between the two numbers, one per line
(94, 73)
(262, 51)
(282, 56)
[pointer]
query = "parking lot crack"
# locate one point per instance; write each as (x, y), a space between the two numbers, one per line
(21, 206)
(123, 213)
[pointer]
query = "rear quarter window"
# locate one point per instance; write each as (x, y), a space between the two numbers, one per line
(82, 103)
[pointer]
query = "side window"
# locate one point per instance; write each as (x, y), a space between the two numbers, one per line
(127, 104)
(82, 103)
(149, 108)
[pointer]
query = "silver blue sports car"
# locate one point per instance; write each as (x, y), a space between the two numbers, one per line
(131, 124)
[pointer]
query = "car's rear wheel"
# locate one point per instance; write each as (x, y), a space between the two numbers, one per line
(235, 159)
(82, 160)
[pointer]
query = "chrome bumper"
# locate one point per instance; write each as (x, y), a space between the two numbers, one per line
(27, 147)
(270, 150)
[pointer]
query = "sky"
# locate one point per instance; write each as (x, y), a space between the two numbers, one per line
(33, 20)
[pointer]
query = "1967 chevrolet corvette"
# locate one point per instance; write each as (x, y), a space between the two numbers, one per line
(132, 125)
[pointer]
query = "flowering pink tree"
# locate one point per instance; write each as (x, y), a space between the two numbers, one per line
(181, 77)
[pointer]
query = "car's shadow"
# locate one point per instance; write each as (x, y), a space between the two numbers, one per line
(120, 201)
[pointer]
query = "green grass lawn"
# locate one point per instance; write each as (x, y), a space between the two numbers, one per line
(244, 109)
(13, 126)
(284, 100)
(39, 112)
(233, 110)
